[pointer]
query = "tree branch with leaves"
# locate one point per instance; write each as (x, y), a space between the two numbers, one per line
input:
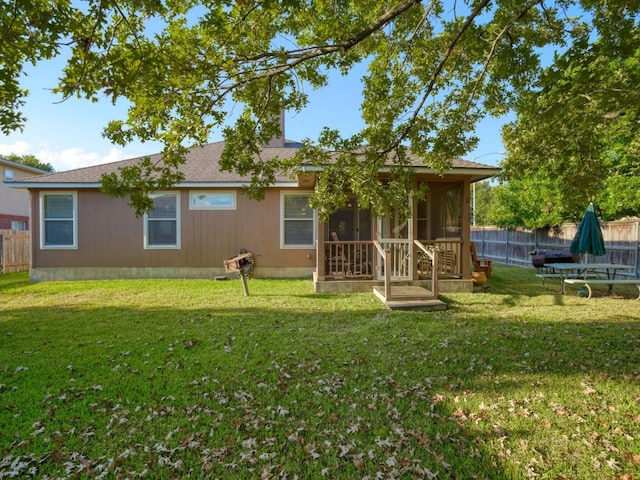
(434, 69)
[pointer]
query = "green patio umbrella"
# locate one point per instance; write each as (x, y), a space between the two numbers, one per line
(588, 239)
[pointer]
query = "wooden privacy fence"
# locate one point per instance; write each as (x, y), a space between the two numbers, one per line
(14, 251)
(622, 242)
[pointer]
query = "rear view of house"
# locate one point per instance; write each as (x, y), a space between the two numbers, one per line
(81, 233)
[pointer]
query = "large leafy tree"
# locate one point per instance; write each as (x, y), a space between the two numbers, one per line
(576, 137)
(434, 69)
(29, 32)
(481, 203)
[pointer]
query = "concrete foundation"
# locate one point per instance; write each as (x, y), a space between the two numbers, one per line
(121, 273)
(448, 285)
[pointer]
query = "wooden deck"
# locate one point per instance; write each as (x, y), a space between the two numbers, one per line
(410, 297)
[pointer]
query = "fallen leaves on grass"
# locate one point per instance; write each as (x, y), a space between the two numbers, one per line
(229, 429)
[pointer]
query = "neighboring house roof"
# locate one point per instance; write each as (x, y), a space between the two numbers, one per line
(21, 166)
(202, 168)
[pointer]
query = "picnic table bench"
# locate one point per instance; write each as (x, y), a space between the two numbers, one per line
(587, 271)
(587, 282)
(561, 276)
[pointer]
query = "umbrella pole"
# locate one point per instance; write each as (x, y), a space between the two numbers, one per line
(586, 260)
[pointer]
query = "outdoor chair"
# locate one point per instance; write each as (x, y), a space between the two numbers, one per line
(480, 264)
(337, 261)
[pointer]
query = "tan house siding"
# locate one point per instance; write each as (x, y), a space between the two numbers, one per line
(111, 242)
(211, 236)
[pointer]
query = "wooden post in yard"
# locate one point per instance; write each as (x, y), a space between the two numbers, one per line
(244, 284)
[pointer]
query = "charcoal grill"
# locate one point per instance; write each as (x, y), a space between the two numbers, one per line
(540, 257)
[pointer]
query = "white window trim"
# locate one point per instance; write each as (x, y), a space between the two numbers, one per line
(283, 195)
(233, 194)
(145, 224)
(74, 246)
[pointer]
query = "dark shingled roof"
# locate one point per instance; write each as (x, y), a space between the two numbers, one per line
(202, 166)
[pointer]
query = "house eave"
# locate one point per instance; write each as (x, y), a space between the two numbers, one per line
(93, 185)
(232, 185)
(56, 185)
(476, 174)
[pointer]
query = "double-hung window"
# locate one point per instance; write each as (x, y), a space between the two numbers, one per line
(297, 228)
(162, 222)
(58, 220)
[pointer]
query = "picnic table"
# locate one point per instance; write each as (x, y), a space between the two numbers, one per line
(591, 273)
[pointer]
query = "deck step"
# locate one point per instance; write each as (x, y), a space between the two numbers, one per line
(410, 297)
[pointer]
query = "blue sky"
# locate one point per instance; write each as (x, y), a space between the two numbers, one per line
(68, 134)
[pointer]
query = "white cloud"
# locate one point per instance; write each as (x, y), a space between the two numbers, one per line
(72, 158)
(62, 160)
(115, 155)
(18, 147)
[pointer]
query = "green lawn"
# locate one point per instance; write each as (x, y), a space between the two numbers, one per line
(190, 379)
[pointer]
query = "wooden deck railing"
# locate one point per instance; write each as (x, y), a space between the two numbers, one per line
(449, 263)
(399, 262)
(434, 256)
(349, 259)
(386, 260)
(357, 259)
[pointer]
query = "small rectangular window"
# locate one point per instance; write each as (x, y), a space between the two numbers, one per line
(298, 220)
(162, 223)
(58, 214)
(209, 200)
(18, 225)
(9, 176)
